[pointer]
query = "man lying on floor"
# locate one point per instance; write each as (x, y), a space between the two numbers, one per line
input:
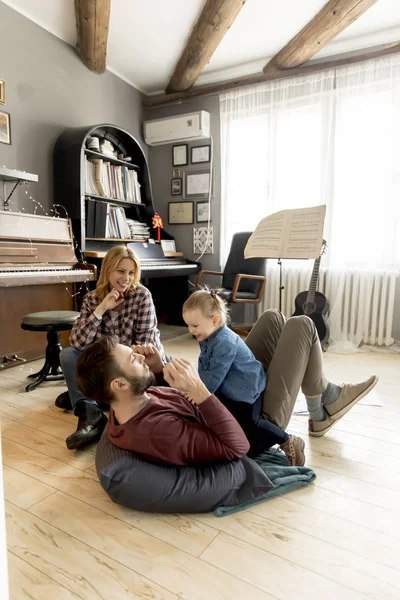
(185, 424)
(159, 422)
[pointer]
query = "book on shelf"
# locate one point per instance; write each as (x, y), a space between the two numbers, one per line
(107, 221)
(111, 181)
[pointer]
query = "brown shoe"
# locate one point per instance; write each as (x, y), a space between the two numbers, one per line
(349, 396)
(320, 428)
(294, 450)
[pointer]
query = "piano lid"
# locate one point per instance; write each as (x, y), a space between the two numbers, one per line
(21, 226)
(33, 239)
(145, 251)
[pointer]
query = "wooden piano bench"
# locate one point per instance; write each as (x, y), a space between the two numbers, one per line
(52, 322)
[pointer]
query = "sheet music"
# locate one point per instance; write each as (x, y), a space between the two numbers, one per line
(288, 234)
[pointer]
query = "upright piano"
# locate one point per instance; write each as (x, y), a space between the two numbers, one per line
(38, 272)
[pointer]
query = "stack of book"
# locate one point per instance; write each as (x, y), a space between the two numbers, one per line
(139, 232)
(111, 181)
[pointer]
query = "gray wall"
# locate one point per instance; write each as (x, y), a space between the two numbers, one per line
(48, 89)
(160, 159)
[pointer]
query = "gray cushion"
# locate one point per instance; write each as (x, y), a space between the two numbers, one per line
(133, 482)
(51, 317)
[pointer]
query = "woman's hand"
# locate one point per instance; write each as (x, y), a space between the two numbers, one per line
(151, 355)
(110, 302)
(181, 374)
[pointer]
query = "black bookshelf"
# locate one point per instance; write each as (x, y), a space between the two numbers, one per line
(69, 179)
(114, 200)
(111, 159)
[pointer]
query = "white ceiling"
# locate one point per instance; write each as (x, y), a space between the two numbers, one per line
(147, 36)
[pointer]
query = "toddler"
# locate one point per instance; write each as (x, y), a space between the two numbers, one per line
(229, 370)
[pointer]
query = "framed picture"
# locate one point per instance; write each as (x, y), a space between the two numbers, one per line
(196, 184)
(180, 213)
(2, 91)
(180, 155)
(168, 245)
(200, 154)
(176, 187)
(202, 212)
(5, 128)
(203, 240)
(176, 172)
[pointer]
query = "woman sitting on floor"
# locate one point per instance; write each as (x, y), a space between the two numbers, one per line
(120, 306)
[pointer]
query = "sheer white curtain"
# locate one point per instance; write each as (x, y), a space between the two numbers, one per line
(366, 166)
(331, 138)
(275, 147)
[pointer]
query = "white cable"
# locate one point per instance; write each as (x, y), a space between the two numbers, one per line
(209, 199)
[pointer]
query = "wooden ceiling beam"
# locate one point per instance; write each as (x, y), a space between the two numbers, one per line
(330, 62)
(216, 18)
(92, 22)
(331, 20)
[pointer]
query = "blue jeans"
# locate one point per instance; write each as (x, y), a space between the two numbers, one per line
(68, 358)
(262, 434)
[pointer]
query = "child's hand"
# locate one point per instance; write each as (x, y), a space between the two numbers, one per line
(151, 355)
(181, 374)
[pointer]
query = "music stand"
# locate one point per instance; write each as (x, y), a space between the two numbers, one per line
(291, 233)
(281, 287)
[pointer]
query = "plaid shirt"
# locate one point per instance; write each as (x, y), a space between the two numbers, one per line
(136, 322)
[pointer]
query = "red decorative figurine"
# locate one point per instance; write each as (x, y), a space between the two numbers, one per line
(157, 224)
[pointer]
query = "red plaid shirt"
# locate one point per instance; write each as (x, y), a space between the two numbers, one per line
(136, 322)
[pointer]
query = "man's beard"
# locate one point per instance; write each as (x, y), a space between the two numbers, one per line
(140, 384)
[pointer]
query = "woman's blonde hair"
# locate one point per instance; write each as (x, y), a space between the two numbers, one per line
(208, 301)
(110, 263)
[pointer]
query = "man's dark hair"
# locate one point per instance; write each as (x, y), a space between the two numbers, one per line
(96, 368)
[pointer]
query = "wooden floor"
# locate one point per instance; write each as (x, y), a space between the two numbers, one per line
(337, 539)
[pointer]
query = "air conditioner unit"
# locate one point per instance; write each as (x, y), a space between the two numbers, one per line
(193, 126)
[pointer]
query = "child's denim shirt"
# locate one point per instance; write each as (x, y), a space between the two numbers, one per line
(226, 364)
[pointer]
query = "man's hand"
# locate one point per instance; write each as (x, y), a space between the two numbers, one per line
(151, 355)
(110, 302)
(181, 374)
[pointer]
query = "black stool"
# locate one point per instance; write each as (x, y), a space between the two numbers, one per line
(53, 322)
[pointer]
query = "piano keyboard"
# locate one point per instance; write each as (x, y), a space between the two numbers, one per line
(164, 265)
(13, 276)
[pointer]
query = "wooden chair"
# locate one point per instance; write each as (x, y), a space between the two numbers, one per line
(243, 280)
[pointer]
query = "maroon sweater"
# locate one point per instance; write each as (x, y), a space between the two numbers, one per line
(170, 429)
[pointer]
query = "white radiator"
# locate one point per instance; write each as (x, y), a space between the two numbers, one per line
(361, 302)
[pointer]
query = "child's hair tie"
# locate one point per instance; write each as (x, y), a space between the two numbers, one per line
(213, 294)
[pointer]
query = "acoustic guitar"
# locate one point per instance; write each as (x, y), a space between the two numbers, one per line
(314, 304)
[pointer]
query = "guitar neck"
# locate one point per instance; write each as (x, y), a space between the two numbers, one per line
(313, 281)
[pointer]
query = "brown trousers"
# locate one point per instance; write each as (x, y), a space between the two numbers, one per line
(291, 354)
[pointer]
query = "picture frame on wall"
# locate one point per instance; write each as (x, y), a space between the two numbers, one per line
(2, 91)
(200, 154)
(180, 213)
(176, 187)
(180, 155)
(5, 128)
(202, 212)
(196, 184)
